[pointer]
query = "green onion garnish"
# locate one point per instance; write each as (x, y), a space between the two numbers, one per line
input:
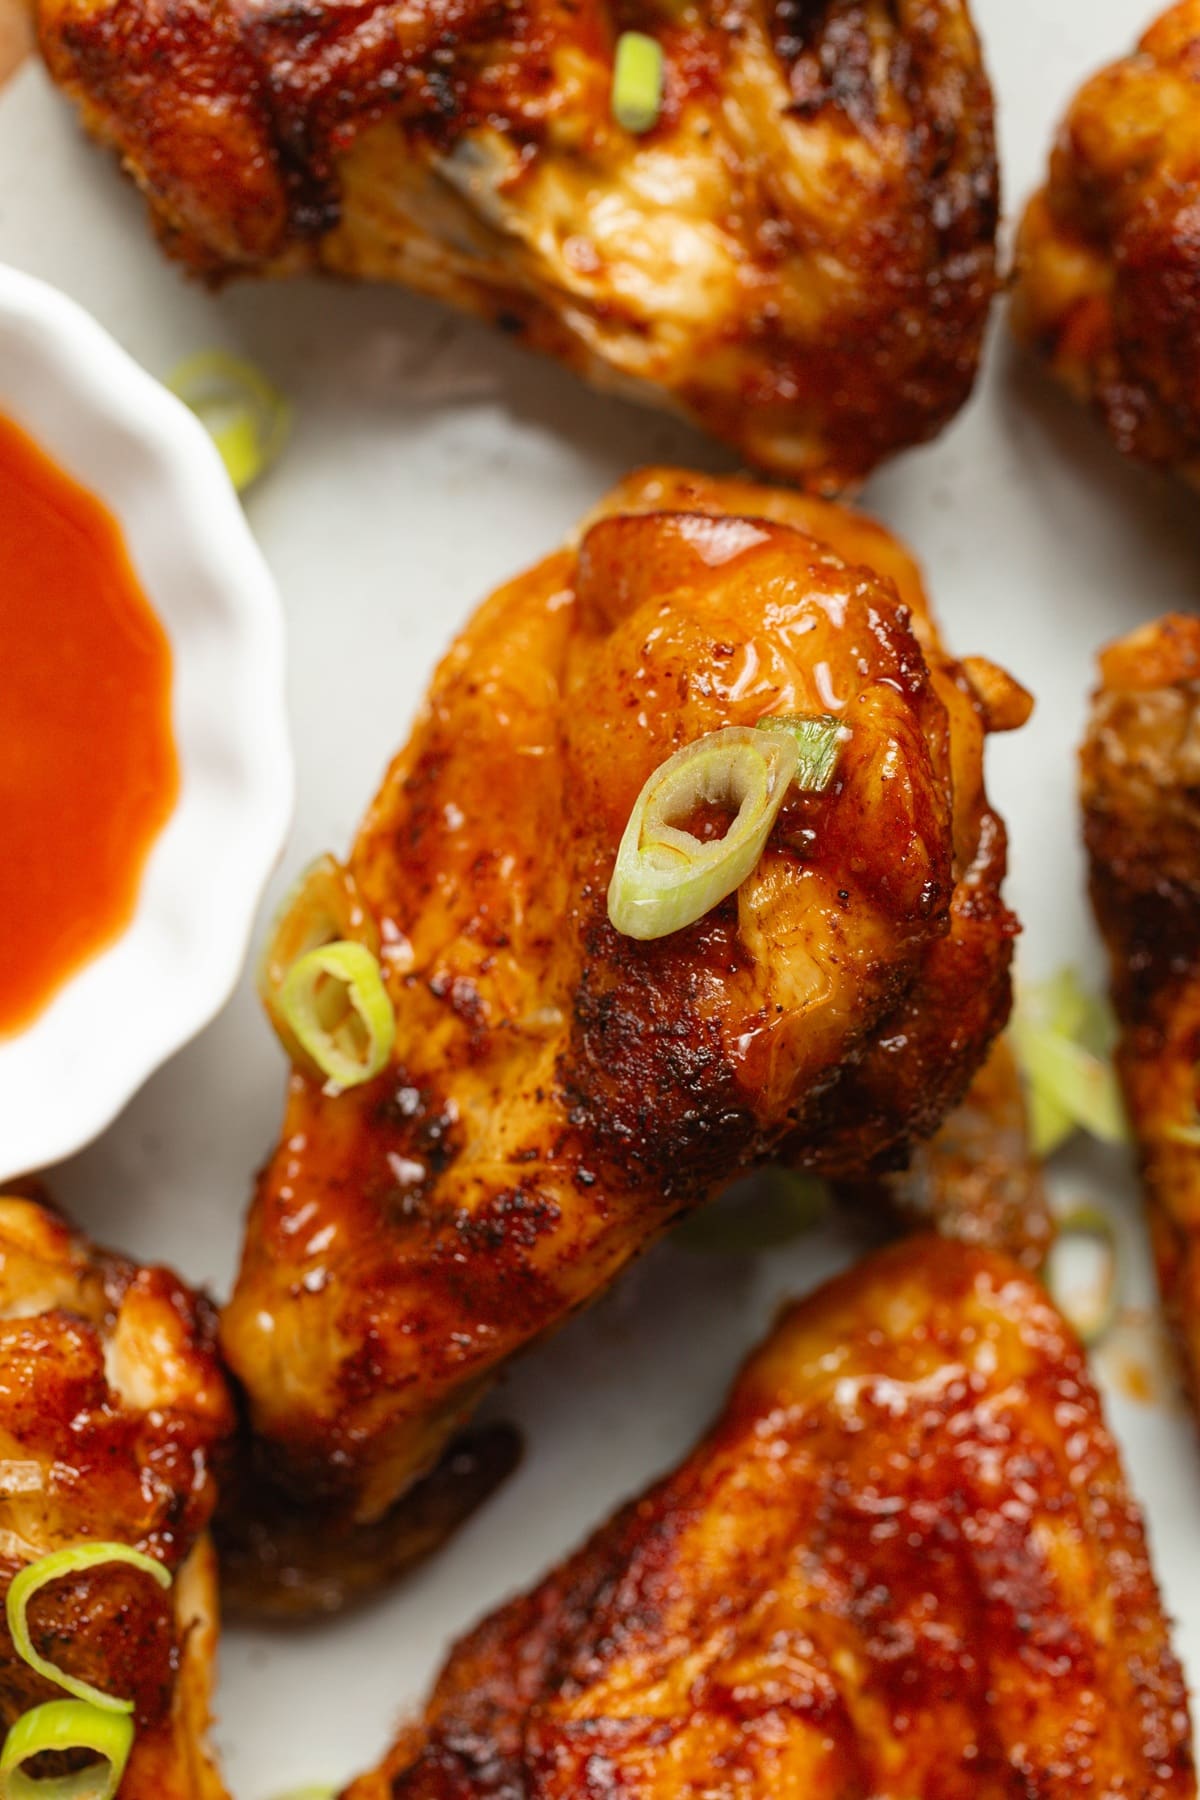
(1092, 1309)
(776, 1207)
(247, 418)
(66, 1725)
(666, 878)
(1062, 1037)
(339, 1012)
(322, 907)
(819, 738)
(637, 87)
(54, 1567)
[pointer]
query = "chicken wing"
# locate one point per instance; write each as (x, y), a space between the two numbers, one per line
(558, 1093)
(903, 1565)
(1108, 257)
(799, 255)
(112, 1411)
(1141, 798)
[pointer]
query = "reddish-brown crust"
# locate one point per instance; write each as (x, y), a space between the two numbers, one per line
(560, 1093)
(1108, 258)
(816, 294)
(904, 1562)
(1141, 797)
(113, 1410)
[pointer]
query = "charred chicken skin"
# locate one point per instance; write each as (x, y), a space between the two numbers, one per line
(1108, 258)
(558, 1094)
(799, 255)
(1141, 797)
(903, 1566)
(113, 1411)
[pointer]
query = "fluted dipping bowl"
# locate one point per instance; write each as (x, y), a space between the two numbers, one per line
(114, 429)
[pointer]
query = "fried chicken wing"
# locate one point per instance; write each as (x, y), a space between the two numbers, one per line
(112, 1411)
(1141, 798)
(799, 255)
(1108, 256)
(904, 1565)
(558, 1093)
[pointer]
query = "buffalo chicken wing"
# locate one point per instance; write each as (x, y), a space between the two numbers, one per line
(558, 1093)
(1141, 797)
(113, 1411)
(799, 255)
(903, 1566)
(1108, 257)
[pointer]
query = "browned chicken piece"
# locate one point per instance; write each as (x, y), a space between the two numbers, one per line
(1108, 257)
(798, 256)
(112, 1412)
(558, 1093)
(1141, 798)
(977, 1179)
(904, 1565)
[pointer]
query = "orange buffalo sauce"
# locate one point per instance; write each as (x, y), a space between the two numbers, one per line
(88, 772)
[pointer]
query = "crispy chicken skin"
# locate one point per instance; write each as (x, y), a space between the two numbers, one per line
(1141, 797)
(1108, 256)
(903, 1566)
(112, 1411)
(559, 1094)
(799, 257)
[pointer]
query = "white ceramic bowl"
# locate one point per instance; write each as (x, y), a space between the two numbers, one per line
(118, 432)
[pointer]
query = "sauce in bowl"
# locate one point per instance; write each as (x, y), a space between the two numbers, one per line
(88, 769)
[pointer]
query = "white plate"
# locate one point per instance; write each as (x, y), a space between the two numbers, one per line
(109, 426)
(431, 459)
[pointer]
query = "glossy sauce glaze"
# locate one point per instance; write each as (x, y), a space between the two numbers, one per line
(88, 770)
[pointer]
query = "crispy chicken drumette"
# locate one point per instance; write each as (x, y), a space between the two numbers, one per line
(1141, 797)
(113, 1410)
(1108, 258)
(799, 255)
(904, 1564)
(559, 1093)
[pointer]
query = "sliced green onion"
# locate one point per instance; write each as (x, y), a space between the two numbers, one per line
(1092, 1310)
(314, 1791)
(665, 877)
(778, 1207)
(819, 740)
(55, 1567)
(66, 1725)
(338, 1009)
(1061, 1036)
(247, 418)
(322, 907)
(637, 88)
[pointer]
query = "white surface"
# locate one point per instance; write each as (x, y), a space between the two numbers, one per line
(108, 425)
(431, 459)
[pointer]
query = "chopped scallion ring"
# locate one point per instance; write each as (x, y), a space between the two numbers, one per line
(637, 88)
(55, 1567)
(66, 1725)
(1091, 1309)
(247, 418)
(314, 1791)
(820, 741)
(322, 907)
(337, 1008)
(665, 877)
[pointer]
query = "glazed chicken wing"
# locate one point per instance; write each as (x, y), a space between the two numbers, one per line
(1141, 796)
(1108, 258)
(112, 1410)
(799, 255)
(559, 1093)
(903, 1566)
